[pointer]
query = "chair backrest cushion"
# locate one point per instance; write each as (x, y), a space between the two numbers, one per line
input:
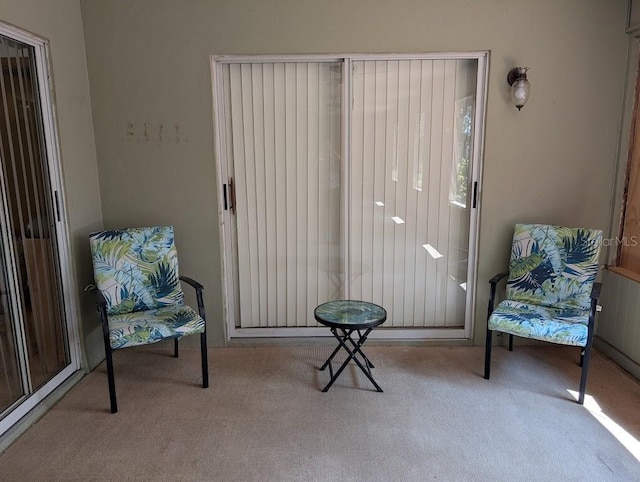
(136, 269)
(553, 266)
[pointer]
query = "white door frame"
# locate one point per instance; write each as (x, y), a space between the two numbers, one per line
(51, 144)
(227, 251)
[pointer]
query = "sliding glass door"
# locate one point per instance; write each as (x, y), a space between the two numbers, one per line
(283, 128)
(35, 350)
(350, 178)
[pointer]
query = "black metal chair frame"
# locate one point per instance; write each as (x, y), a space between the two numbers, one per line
(101, 305)
(585, 352)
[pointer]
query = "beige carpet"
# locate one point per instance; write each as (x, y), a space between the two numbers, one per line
(264, 419)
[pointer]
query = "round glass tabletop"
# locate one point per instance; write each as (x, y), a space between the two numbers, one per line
(350, 314)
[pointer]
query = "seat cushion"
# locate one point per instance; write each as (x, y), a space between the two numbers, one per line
(145, 327)
(553, 266)
(136, 269)
(563, 326)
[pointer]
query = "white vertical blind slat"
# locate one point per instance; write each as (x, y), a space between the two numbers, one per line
(291, 167)
(390, 132)
(271, 207)
(235, 151)
(301, 192)
(450, 283)
(400, 287)
(323, 182)
(258, 196)
(313, 187)
(413, 180)
(335, 186)
(355, 189)
(245, 199)
(422, 210)
(230, 144)
(368, 179)
(280, 190)
(378, 168)
(435, 280)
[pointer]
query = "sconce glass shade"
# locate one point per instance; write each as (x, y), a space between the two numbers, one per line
(520, 86)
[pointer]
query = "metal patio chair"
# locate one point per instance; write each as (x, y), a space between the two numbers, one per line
(139, 296)
(551, 293)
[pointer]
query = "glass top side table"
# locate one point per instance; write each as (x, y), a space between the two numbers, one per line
(344, 317)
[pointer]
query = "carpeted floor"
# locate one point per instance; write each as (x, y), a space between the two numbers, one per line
(264, 419)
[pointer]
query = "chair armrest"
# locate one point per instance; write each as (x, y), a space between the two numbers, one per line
(492, 292)
(101, 306)
(100, 300)
(498, 277)
(197, 286)
(595, 294)
(595, 291)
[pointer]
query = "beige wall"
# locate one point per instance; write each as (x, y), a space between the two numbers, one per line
(61, 23)
(552, 162)
(617, 334)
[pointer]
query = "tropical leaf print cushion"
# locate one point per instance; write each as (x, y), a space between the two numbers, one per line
(553, 266)
(551, 275)
(136, 269)
(566, 327)
(146, 327)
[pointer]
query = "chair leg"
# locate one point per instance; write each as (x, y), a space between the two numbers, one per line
(581, 357)
(585, 358)
(205, 364)
(111, 378)
(510, 342)
(487, 355)
(175, 348)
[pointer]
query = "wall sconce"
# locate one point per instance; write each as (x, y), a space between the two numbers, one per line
(517, 79)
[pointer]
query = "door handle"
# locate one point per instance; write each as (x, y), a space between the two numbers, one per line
(232, 196)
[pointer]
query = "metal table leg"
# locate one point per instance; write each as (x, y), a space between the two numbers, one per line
(357, 349)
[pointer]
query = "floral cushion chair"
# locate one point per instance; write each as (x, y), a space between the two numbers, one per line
(139, 296)
(551, 294)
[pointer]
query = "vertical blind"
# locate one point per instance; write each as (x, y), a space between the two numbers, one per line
(411, 141)
(283, 129)
(403, 220)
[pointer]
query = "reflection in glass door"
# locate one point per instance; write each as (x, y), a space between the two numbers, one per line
(33, 340)
(412, 133)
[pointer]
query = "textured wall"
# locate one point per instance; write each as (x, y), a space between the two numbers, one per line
(552, 162)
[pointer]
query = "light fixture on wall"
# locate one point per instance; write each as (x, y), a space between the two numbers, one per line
(517, 79)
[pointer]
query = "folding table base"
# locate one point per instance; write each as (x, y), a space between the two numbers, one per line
(343, 338)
